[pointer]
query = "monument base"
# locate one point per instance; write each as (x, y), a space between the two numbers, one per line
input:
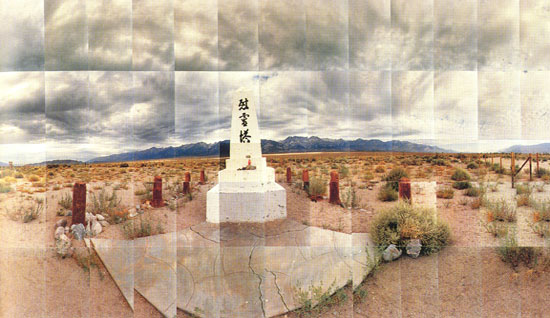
(240, 202)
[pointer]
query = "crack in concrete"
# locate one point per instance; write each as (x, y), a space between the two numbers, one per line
(278, 289)
(204, 237)
(260, 278)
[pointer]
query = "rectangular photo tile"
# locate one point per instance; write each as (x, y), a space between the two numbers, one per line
(65, 35)
(25, 35)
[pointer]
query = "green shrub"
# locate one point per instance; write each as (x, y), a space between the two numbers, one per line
(5, 187)
(523, 189)
(472, 165)
(104, 203)
(134, 229)
(379, 169)
(66, 201)
(350, 198)
(403, 222)
(543, 172)
(511, 253)
(439, 162)
(445, 193)
(542, 208)
(393, 177)
(460, 175)
(317, 187)
(387, 193)
(474, 192)
(461, 185)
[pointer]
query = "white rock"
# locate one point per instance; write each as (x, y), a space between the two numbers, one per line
(391, 253)
(104, 223)
(58, 232)
(132, 215)
(63, 245)
(96, 227)
(89, 217)
(100, 217)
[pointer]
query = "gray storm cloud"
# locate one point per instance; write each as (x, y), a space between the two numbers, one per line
(127, 74)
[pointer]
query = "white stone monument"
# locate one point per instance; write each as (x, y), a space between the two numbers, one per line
(246, 191)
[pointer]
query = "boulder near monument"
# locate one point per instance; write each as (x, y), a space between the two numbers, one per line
(247, 191)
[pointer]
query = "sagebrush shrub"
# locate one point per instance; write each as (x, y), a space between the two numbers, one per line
(404, 222)
(460, 175)
(461, 185)
(445, 193)
(387, 193)
(393, 177)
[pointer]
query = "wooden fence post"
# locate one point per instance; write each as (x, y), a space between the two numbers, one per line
(537, 163)
(513, 168)
(530, 168)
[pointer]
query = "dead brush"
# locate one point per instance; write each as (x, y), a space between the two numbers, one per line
(26, 213)
(502, 210)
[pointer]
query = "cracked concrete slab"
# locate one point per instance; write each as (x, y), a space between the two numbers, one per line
(155, 271)
(246, 271)
(118, 257)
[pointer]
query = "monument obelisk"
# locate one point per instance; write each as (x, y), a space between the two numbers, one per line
(246, 189)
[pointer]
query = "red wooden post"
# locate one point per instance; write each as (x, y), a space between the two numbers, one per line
(186, 188)
(305, 179)
(288, 175)
(405, 189)
(202, 178)
(79, 203)
(334, 188)
(157, 193)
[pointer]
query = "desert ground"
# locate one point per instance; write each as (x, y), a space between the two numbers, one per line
(467, 278)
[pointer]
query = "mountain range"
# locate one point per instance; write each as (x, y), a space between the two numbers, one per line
(290, 144)
(540, 148)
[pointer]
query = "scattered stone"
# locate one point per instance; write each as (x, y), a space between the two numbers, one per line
(140, 212)
(96, 228)
(58, 232)
(413, 248)
(69, 213)
(99, 217)
(391, 253)
(78, 231)
(89, 217)
(138, 207)
(132, 214)
(104, 223)
(62, 223)
(63, 245)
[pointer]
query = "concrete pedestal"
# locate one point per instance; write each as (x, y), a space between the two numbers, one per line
(245, 202)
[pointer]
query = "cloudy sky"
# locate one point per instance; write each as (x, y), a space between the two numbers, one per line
(84, 78)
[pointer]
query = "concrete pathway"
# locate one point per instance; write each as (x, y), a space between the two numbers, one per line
(213, 270)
